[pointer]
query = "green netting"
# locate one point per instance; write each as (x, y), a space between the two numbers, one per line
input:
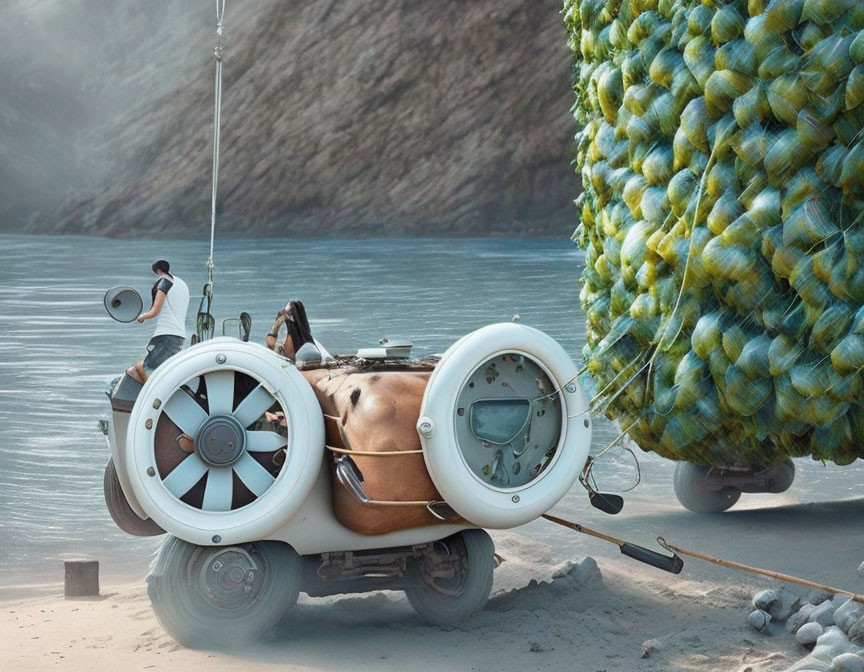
(722, 161)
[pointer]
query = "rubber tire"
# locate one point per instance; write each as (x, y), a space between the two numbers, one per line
(695, 495)
(195, 623)
(121, 513)
(446, 610)
(785, 475)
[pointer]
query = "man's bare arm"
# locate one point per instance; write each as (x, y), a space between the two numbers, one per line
(155, 309)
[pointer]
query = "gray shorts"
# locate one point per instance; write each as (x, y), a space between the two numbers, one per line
(161, 348)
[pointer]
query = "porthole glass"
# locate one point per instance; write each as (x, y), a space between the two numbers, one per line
(508, 421)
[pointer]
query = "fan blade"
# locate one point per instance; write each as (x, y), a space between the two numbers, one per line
(219, 490)
(184, 476)
(253, 406)
(256, 477)
(185, 412)
(264, 442)
(220, 392)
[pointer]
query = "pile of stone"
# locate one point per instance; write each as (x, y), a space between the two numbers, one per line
(829, 627)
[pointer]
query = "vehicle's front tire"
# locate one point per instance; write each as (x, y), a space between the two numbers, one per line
(449, 601)
(213, 597)
(121, 513)
(692, 490)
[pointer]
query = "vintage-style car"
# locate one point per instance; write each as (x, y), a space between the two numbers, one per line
(274, 476)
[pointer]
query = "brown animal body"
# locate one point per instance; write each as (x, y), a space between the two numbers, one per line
(377, 411)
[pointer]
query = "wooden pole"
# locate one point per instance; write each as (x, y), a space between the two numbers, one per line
(756, 570)
(81, 578)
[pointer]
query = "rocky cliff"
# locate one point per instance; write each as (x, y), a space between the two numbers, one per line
(430, 117)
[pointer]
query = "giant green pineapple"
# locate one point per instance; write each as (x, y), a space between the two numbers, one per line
(722, 217)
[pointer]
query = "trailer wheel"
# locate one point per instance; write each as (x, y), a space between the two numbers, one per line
(782, 476)
(449, 600)
(213, 597)
(692, 490)
(121, 513)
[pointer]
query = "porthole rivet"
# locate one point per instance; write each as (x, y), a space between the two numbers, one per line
(460, 411)
(149, 423)
(157, 403)
(151, 471)
(571, 388)
(426, 428)
(515, 499)
(216, 539)
(221, 359)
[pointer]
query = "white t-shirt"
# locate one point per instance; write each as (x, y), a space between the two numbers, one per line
(172, 318)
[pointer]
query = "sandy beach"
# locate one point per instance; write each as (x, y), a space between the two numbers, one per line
(603, 615)
(560, 600)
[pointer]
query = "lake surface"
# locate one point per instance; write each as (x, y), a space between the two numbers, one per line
(58, 349)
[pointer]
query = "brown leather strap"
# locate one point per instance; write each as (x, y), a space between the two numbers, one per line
(372, 453)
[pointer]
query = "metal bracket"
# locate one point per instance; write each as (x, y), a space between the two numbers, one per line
(351, 479)
(743, 480)
(608, 503)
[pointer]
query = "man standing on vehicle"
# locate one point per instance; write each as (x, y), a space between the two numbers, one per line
(170, 303)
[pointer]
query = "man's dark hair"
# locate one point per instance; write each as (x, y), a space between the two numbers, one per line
(161, 265)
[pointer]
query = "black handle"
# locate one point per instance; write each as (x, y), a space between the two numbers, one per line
(674, 565)
(611, 504)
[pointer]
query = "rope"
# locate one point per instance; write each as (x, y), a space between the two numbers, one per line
(217, 121)
(205, 324)
(756, 570)
(576, 527)
(372, 453)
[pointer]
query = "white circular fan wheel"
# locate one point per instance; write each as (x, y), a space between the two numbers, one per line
(211, 459)
(504, 425)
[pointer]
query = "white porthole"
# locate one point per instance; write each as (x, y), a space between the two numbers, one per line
(205, 463)
(504, 425)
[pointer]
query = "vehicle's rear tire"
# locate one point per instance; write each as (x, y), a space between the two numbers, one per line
(213, 597)
(691, 488)
(468, 592)
(121, 513)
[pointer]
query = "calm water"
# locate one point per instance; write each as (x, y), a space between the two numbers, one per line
(58, 348)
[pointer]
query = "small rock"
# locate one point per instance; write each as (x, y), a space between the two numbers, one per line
(808, 634)
(577, 574)
(787, 602)
(765, 599)
(831, 643)
(839, 600)
(817, 597)
(649, 647)
(861, 569)
(759, 620)
(800, 617)
(847, 662)
(823, 614)
(834, 636)
(809, 664)
(846, 615)
(856, 632)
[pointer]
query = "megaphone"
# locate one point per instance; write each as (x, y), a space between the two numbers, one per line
(124, 304)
